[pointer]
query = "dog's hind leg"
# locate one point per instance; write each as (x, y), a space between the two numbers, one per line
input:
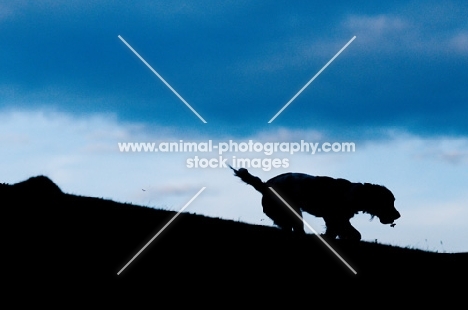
(281, 215)
(298, 223)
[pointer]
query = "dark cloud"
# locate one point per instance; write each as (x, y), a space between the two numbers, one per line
(238, 63)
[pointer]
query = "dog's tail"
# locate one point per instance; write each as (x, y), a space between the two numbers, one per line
(245, 176)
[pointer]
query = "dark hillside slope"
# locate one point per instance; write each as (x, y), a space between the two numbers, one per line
(51, 235)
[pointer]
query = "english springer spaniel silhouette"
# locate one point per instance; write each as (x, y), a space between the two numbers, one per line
(335, 200)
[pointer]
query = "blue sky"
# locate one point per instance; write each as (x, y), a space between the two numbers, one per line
(70, 90)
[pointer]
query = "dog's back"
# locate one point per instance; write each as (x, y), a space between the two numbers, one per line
(313, 194)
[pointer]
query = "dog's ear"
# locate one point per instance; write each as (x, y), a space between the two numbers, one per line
(354, 193)
(359, 193)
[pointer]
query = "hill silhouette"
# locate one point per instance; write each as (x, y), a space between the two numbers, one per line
(70, 238)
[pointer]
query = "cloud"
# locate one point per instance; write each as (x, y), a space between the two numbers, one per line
(303, 48)
(6, 11)
(63, 147)
(459, 42)
(385, 33)
(403, 68)
(376, 26)
(455, 157)
(284, 134)
(405, 34)
(450, 150)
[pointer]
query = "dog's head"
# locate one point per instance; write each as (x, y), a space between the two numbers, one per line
(376, 200)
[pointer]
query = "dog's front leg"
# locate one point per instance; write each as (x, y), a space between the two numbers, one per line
(332, 227)
(348, 232)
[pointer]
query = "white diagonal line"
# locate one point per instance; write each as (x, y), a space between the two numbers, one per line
(162, 229)
(162, 79)
(310, 227)
(311, 80)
